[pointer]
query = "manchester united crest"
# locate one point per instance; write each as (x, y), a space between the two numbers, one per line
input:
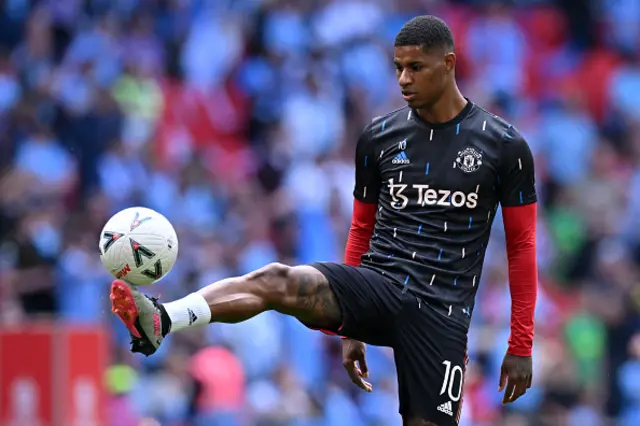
(469, 160)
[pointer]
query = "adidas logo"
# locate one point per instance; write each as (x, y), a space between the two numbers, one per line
(446, 408)
(400, 159)
(192, 317)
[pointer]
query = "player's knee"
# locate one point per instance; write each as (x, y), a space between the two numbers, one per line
(270, 281)
(286, 288)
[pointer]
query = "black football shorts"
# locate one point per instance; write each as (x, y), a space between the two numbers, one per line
(430, 351)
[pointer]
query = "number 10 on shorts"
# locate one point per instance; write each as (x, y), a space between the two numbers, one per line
(450, 375)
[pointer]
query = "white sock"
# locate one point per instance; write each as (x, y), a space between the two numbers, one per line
(189, 311)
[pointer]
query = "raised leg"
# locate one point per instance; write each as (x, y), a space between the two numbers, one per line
(300, 291)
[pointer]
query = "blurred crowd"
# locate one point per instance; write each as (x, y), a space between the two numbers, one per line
(237, 119)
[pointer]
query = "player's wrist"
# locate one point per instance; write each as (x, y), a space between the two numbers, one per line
(519, 351)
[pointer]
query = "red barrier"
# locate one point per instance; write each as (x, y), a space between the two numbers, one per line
(52, 375)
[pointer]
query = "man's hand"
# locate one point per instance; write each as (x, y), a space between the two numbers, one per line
(516, 375)
(353, 360)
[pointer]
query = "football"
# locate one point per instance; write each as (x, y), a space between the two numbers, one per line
(139, 246)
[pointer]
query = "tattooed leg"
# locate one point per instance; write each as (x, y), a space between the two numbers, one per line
(299, 291)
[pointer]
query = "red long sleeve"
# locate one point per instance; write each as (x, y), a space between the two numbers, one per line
(520, 231)
(363, 221)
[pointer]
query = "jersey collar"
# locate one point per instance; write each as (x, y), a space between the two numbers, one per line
(455, 120)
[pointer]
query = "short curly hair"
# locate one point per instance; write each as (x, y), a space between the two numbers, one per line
(427, 31)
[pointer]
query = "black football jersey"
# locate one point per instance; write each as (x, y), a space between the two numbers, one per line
(437, 187)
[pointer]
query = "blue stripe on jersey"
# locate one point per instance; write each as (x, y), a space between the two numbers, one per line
(521, 197)
(419, 229)
(458, 129)
(365, 160)
(406, 280)
(440, 254)
(455, 281)
(506, 133)
(470, 221)
(384, 124)
(426, 171)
